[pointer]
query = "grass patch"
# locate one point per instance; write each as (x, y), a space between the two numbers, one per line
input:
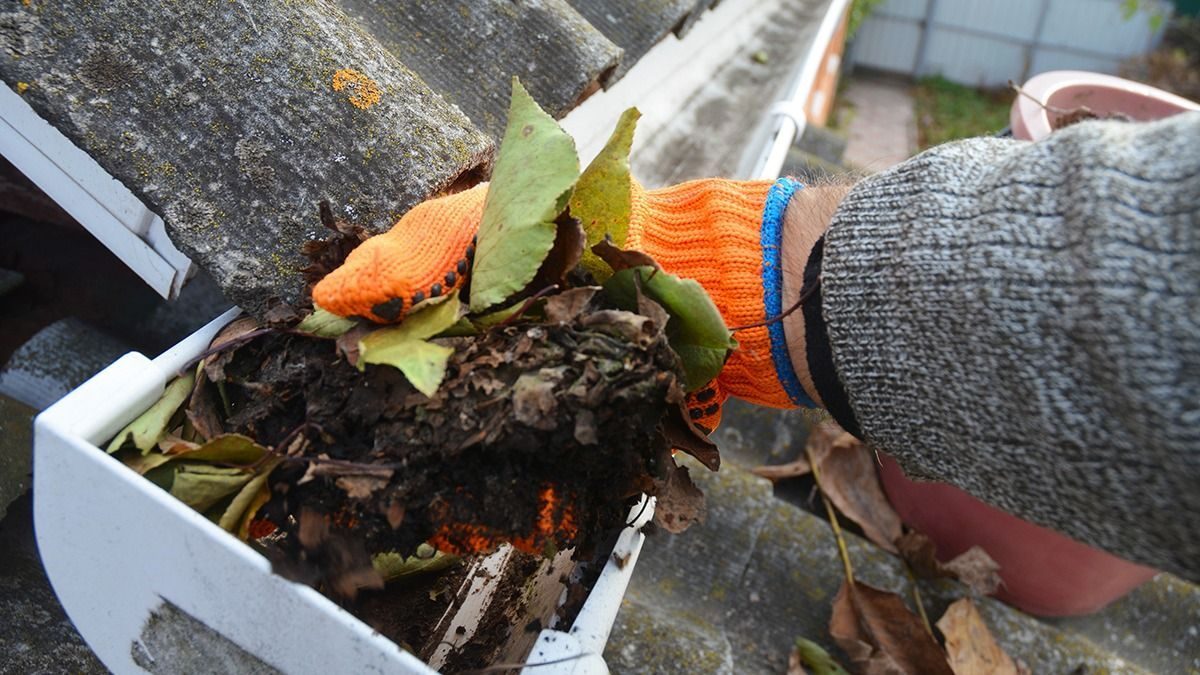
(947, 111)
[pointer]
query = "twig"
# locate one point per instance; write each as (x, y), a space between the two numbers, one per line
(916, 593)
(808, 293)
(833, 521)
(1048, 108)
(228, 344)
(529, 303)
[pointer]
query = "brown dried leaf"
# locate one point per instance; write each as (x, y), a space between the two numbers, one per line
(970, 645)
(281, 314)
(214, 366)
(533, 398)
(395, 513)
(849, 478)
(683, 434)
(313, 528)
(974, 567)
(918, 550)
(795, 667)
(680, 504)
(347, 343)
(362, 486)
(566, 306)
(326, 255)
(777, 472)
(619, 259)
(651, 309)
(564, 255)
(202, 409)
(880, 635)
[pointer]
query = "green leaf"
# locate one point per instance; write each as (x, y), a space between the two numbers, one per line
(497, 317)
(226, 448)
(149, 427)
(202, 485)
(695, 330)
(325, 324)
(232, 518)
(461, 328)
(392, 566)
(536, 168)
(404, 346)
(603, 196)
(816, 659)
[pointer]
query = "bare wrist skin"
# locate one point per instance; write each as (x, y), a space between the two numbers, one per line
(804, 222)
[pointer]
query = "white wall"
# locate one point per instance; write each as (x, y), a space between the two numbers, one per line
(988, 42)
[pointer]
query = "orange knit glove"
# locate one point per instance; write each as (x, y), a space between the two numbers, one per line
(725, 234)
(427, 253)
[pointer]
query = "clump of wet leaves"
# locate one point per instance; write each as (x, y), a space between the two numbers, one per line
(532, 408)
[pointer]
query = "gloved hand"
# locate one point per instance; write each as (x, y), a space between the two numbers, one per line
(725, 234)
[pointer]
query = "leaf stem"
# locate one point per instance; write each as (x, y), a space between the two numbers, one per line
(833, 520)
(916, 593)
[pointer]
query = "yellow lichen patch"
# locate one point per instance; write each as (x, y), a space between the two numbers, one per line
(22, 87)
(363, 92)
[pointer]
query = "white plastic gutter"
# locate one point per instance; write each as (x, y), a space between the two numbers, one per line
(793, 117)
(101, 203)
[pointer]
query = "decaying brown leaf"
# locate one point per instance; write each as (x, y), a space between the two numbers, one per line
(347, 343)
(683, 434)
(565, 307)
(795, 666)
(325, 255)
(360, 486)
(881, 636)
(214, 365)
(564, 255)
(619, 259)
(680, 503)
(974, 567)
(777, 472)
(849, 478)
(201, 409)
(971, 648)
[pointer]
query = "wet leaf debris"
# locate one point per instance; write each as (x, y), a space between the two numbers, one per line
(531, 401)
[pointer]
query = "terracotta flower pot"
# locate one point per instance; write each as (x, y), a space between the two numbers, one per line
(1102, 94)
(1044, 572)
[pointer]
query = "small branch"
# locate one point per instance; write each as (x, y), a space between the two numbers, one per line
(833, 521)
(228, 344)
(1048, 108)
(529, 303)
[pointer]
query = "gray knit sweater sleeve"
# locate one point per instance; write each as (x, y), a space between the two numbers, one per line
(1023, 320)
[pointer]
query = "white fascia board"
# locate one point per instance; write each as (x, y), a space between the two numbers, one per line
(101, 203)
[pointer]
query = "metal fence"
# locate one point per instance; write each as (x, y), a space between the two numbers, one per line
(988, 42)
